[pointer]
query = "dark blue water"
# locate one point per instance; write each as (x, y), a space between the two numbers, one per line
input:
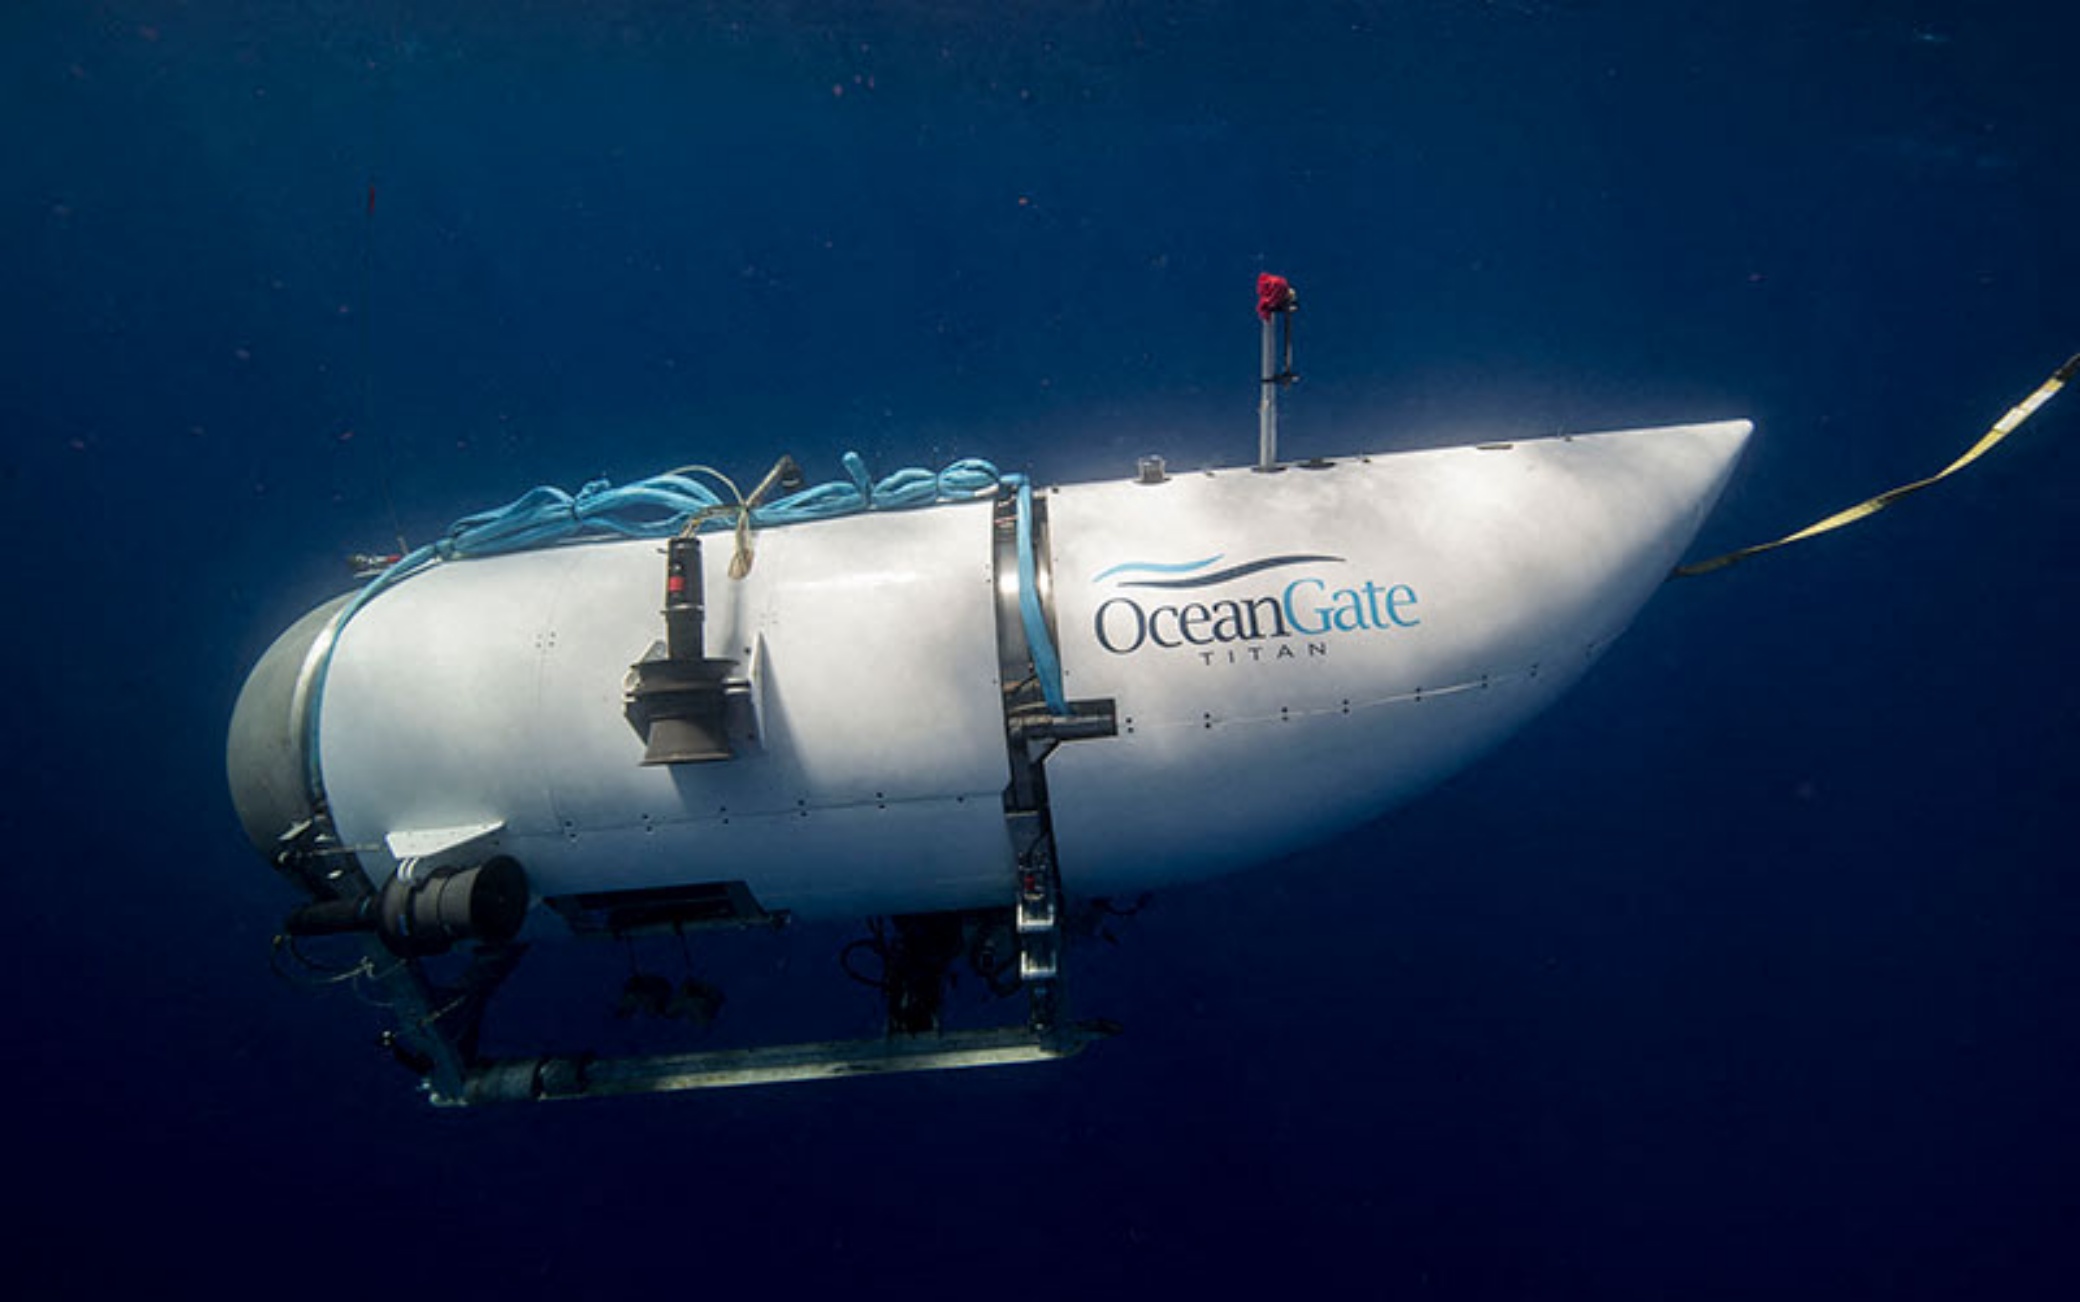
(1749, 971)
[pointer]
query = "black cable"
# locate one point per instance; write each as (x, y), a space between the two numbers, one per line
(877, 943)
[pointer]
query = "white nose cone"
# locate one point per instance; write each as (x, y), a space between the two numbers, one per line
(1292, 654)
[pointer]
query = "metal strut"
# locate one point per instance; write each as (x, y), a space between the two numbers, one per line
(1032, 730)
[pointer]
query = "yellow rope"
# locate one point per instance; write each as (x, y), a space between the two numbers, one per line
(2003, 427)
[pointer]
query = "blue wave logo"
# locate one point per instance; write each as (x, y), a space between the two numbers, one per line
(1191, 579)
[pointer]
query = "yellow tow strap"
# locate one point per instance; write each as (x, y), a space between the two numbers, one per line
(2003, 427)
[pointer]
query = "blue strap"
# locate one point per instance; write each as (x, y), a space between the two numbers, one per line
(1047, 666)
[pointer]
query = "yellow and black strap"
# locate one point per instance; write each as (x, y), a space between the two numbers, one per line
(2003, 427)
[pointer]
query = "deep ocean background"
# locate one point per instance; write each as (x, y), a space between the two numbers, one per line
(1748, 971)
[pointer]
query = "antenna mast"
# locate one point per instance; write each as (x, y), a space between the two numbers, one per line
(1276, 303)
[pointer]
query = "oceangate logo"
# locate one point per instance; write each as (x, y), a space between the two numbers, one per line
(1307, 607)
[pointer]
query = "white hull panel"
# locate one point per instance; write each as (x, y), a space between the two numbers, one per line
(1309, 702)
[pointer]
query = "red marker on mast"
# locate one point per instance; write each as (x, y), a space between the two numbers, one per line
(1276, 303)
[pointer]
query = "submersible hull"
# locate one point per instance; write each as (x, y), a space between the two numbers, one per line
(1277, 656)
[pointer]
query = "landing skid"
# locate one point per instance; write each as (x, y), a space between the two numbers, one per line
(581, 1076)
(439, 1023)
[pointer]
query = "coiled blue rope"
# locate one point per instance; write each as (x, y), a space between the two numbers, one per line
(662, 505)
